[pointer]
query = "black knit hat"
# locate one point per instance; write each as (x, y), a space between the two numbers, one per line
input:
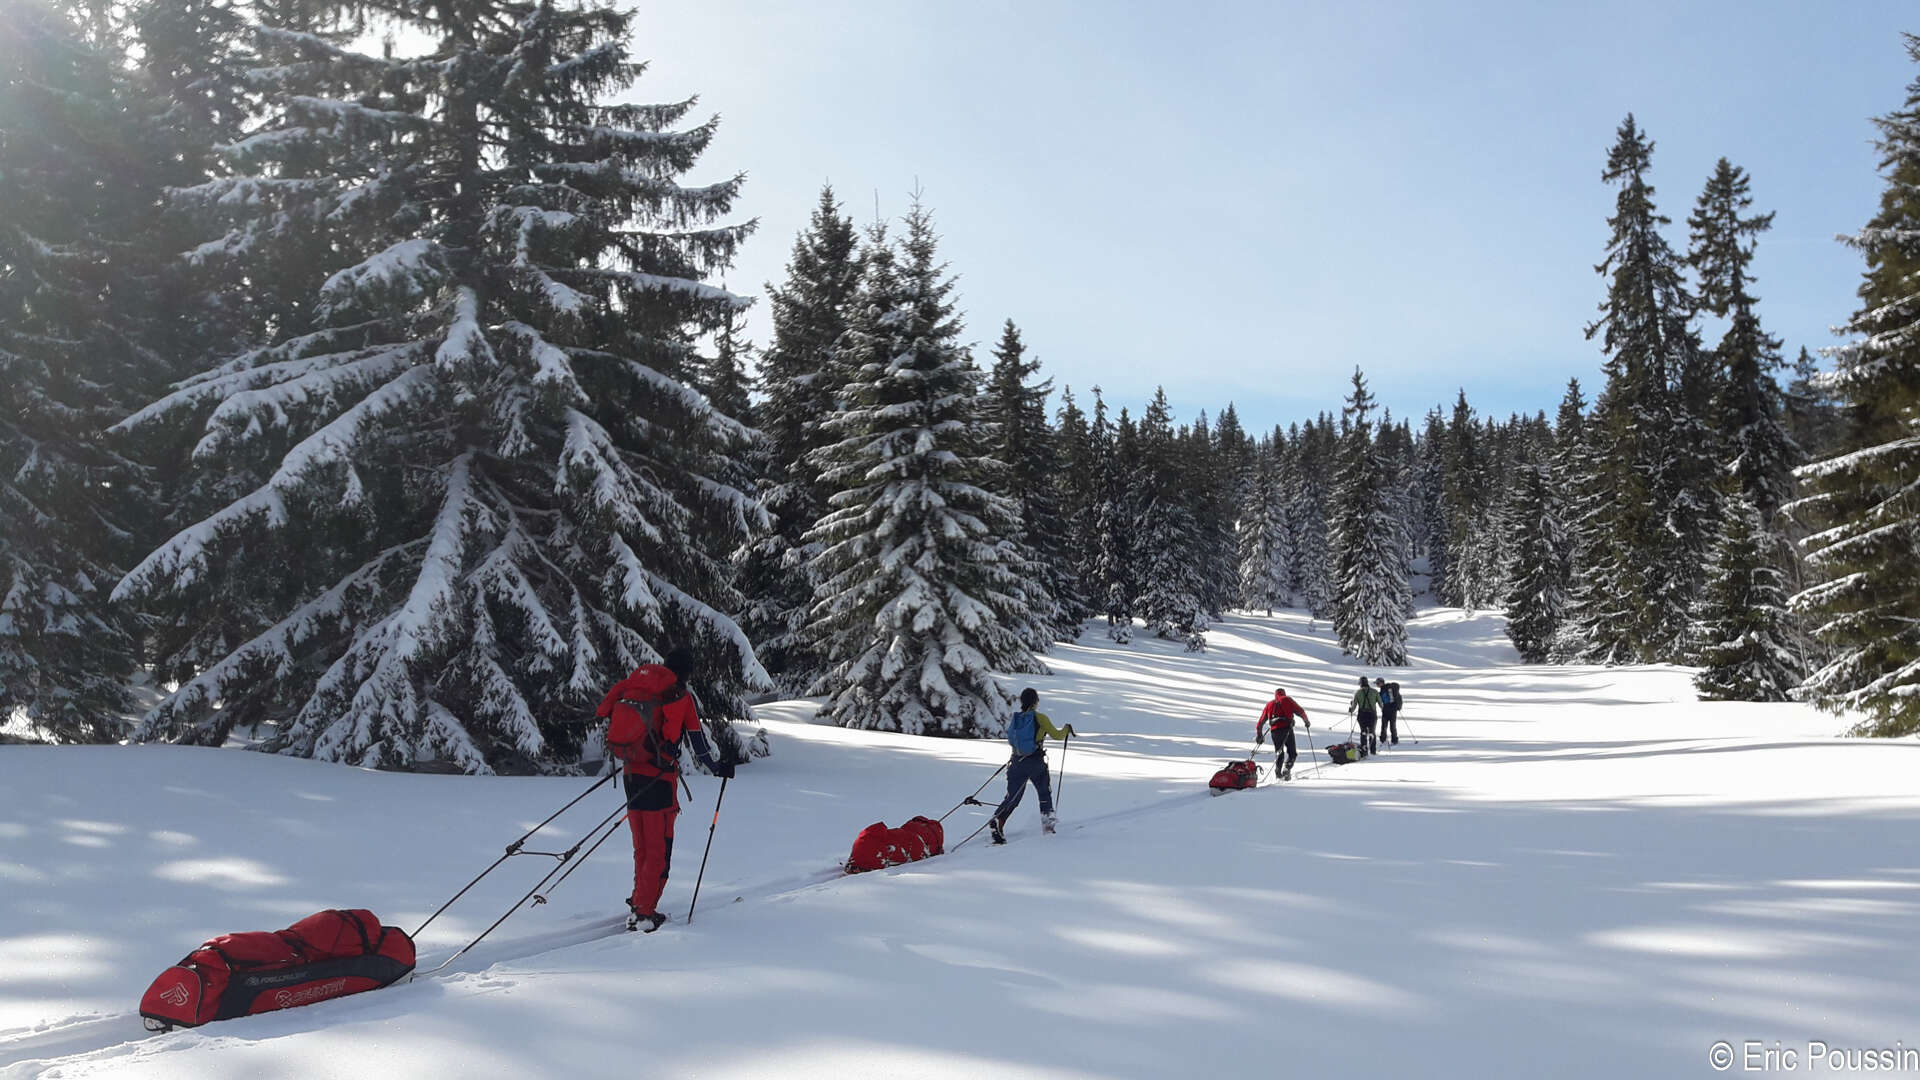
(1029, 698)
(680, 661)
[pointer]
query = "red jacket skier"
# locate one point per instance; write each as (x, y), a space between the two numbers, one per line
(1278, 718)
(649, 712)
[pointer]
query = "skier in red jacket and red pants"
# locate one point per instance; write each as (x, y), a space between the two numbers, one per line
(1278, 717)
(649, 712)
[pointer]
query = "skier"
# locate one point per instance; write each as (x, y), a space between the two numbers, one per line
(1389, 709)
(1366, 702)
(649, 712)
(1026, 731)
(1279, 715)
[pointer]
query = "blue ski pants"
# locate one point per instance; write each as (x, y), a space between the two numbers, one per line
(1021, 771)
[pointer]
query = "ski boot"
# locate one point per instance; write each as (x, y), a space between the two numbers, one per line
(646, 924)
(1047, 822)
(999, 834)
(1286, 773)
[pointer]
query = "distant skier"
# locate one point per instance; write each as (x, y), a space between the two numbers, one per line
(1278, 717)
(1025, 731)
(1366, 702)
(1389, 710)
(649, 712)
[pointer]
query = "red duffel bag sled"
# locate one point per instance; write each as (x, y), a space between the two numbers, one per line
(325, 955)
(878, 846)
(1237, 775)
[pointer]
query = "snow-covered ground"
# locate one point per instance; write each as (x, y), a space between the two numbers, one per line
(1574, 872)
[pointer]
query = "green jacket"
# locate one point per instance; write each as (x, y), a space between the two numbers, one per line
(1364, 699)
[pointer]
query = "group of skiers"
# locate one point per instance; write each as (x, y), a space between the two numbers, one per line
(1372, 705)
(650, 714)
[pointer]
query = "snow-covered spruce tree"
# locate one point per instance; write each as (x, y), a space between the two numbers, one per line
(723, 376)
(1812, 416)
(1747, 412)
(1262, 535)
(1370, 566)
(800, 379)
(1116, 569)
(1078, 490)
(1865, 501)
(1537, 599)
(1396, 450)
(1470, 483)
(1307, 510)
(1744, 638)
(922, 594)
(1279, 456)
(1224, 459)
(1433, 502)
(492, 488)
(1166, 534)
(1648, 499)
(1015, 403)
(78, 181)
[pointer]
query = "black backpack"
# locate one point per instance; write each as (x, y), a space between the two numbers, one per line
(1398, 701)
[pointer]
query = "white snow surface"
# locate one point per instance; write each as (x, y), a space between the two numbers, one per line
(1575, 872)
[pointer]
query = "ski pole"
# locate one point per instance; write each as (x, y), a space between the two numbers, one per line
(1065, 742)
(1311, 752)
(718, 799)
(514, 849)
(564, 857)
(1410, 734)
(974, 799)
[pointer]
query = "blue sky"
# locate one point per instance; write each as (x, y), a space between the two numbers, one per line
(1242, 201)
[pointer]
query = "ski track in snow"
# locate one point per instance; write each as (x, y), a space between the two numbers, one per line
(1576, 872)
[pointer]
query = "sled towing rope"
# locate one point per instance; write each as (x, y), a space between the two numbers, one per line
(974, 799)
(512, 850)
(610, 823)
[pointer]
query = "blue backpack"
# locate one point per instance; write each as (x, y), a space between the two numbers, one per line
(1023, 732)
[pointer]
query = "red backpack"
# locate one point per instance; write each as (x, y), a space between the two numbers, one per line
(634, 735)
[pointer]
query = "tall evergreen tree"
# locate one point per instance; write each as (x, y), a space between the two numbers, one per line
(1112, 583)
(1748, 406)
(922, 597)
(1370, 615)
(1646, 505)
(1261, 533)
(1813, 418)
(1537, 601)
(1015, 403)
(490, 484)
(78, 185)
(1433, 504)
(1747, 647)
(1078, 486)
(1865, 501)
(1171, 584)
(800, 381)
(1308, 509)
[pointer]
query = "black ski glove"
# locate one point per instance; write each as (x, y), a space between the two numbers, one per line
(723, 768)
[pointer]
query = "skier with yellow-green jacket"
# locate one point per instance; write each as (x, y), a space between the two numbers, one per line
(1366, 703)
